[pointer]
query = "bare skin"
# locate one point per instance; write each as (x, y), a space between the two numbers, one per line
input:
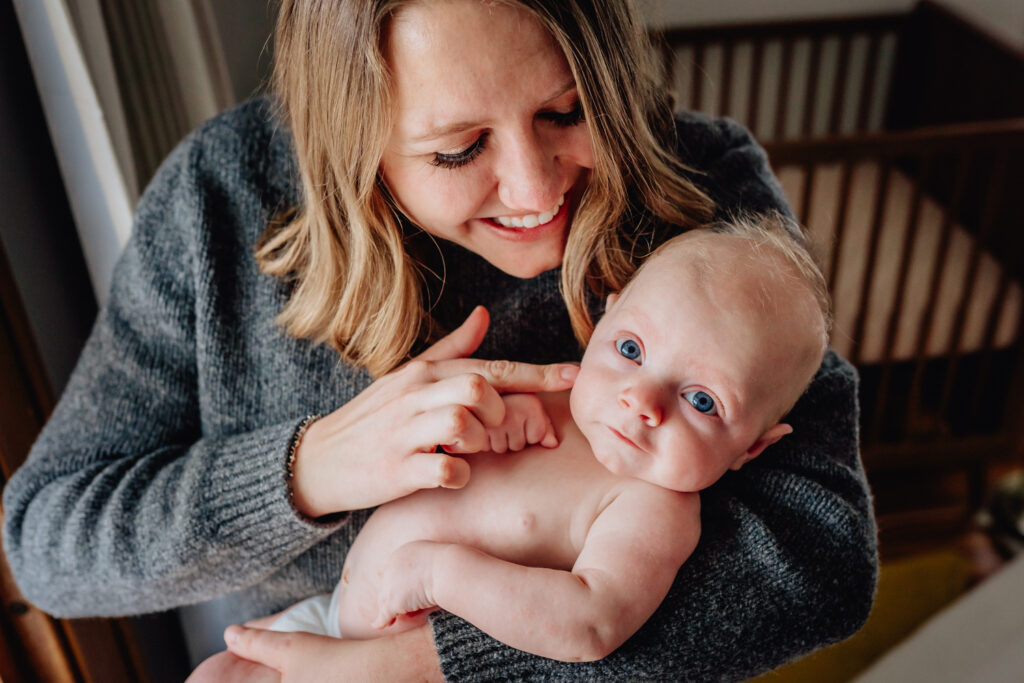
(533, 535)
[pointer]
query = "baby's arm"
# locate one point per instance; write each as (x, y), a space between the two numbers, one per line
(526, 423)
(629, 559)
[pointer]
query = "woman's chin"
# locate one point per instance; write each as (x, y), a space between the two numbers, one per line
(526, 271)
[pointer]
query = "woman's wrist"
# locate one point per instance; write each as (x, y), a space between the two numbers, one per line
(298, 494)
(413, 655)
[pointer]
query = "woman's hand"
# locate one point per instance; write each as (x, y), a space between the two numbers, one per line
(256, 654)
(382, 445)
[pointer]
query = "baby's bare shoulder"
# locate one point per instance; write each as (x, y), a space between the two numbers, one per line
(658, 512)
(647, 531)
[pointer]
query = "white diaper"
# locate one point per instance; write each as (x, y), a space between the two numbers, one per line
(318, 614)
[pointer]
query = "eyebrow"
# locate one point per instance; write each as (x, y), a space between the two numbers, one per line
(460, 126)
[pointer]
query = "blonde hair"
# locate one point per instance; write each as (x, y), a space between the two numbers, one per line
(355, 286)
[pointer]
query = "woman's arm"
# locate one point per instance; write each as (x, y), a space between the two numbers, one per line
(160, 478)
(123, 506)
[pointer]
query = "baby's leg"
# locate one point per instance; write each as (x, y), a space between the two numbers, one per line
(352, 610)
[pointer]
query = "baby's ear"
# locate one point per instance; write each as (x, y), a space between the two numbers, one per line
(610, 301)
(766, 440)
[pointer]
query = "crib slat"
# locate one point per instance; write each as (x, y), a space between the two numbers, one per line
(842, 203)
(870, 78)
(668, 62)
(881, 192)
(754, 97)
(782, 104)
(697, 82)
(977, 246)
(808, 194)
(1015, 395)
(996, 185)
(810, 104)
(926, 327)
(839, 85)
(725, 87)
(909, 242)
(988, 346)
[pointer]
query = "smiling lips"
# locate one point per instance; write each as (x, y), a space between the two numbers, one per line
(530, 220)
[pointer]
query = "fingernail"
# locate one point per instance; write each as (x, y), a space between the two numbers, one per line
(569, 372)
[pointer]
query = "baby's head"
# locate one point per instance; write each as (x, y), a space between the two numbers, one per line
(695, 362)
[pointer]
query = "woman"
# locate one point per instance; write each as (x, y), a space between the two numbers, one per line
(180, 464)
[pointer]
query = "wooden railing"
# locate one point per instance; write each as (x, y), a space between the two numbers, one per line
(786, 80)
(969, 175)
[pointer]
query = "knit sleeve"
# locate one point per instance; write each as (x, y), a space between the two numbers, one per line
(123, 505)
(787, 560)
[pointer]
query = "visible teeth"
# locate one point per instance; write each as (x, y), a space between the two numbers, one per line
(531, 220)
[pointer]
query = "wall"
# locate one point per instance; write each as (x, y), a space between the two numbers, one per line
(245, 28)
(1001, 18)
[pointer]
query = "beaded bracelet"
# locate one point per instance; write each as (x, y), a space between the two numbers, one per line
(293, 450)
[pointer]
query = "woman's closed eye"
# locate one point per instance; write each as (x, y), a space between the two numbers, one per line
(461, 158)
(701, 401)
(573, 117)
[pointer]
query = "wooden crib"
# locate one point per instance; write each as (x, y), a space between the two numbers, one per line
(899, 141)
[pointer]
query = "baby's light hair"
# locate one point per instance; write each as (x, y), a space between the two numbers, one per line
(786, 239)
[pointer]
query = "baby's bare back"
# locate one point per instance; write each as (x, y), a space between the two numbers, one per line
(533, 507)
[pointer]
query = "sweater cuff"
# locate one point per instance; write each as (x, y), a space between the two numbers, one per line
(248, 495)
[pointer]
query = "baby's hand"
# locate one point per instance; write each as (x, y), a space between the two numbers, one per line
(526, 423)
(406, 581)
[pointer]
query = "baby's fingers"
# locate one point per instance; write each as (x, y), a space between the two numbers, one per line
(540, 430)
(435, 470)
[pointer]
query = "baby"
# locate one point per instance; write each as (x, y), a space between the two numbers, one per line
(565, 552)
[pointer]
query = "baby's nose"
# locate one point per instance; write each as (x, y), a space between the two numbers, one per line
(641, 400)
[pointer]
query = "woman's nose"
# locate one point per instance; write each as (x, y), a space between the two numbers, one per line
(641, 400)
(529, 176)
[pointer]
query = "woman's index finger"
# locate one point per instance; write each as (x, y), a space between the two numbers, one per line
(508, 376)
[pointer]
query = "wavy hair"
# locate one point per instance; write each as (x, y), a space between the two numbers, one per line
(355, 286)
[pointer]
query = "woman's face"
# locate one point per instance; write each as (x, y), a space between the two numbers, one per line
(489, 147)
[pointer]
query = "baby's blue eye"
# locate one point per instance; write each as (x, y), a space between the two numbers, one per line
(629, 348)
(702, 401)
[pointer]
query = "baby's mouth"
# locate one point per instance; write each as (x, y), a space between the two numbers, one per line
(530, 220)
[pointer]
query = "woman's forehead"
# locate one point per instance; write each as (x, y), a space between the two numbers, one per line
(451, 60)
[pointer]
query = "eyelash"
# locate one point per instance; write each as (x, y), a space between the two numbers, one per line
(460, 159)
(571, 118)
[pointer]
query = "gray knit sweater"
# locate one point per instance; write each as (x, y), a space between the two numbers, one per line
(159, 480)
